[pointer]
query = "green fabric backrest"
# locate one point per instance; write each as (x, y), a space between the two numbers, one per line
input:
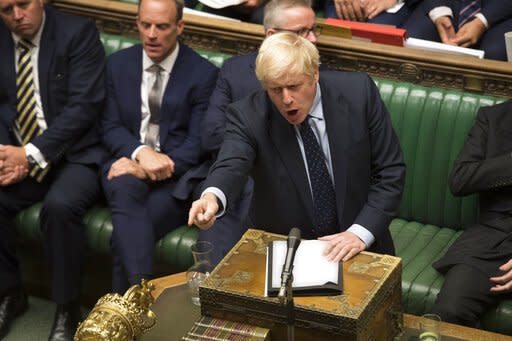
(113, 43)
(432, 125)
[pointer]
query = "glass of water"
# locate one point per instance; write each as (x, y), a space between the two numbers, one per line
(430, 327)
(197, 273)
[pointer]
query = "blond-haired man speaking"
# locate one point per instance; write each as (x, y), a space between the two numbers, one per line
(320, 148)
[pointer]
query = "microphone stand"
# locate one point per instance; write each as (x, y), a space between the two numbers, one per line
(287, 301)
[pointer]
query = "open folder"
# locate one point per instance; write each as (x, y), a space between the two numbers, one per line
(313, 274)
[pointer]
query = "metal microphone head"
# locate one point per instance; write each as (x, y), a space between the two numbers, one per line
(293, 236)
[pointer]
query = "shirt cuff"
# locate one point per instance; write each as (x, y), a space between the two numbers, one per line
(396, 7)
(36, 154)
(134, 154)
(363, 234)
(441, 11)
(482, 19)
(220, 196)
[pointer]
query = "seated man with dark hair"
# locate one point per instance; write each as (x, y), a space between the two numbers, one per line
(478, 266)
(51, 94)
(157, 95)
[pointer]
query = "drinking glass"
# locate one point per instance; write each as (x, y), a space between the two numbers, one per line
(430, 327)
(200, 270)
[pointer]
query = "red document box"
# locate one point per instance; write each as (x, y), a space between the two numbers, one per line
(383, 34)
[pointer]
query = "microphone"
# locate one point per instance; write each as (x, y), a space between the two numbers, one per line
(292, 244)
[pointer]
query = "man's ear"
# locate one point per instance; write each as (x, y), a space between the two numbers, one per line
(270, 32)
(181, 26)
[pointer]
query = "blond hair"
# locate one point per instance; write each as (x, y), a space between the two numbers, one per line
(286, 54)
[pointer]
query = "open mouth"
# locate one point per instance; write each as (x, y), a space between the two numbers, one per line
(292, 112)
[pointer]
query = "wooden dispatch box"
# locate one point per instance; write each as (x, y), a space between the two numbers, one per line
(369, 308)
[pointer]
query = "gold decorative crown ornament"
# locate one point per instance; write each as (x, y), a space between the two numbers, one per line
(117, 318)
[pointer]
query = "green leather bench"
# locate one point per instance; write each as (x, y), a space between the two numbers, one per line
(431, 124)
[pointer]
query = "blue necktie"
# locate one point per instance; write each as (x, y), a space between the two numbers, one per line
(468, 10)
(324, 198)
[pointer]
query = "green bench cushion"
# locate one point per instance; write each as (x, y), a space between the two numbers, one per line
(113, 43)
(432, 125)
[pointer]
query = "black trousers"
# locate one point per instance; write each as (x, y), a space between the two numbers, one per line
(465, 296)
(67, 192)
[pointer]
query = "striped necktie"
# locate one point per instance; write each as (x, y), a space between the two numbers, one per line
(154, 107)
(26, 121)
(468, 10)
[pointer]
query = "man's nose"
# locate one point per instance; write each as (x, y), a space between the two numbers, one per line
(287, 97)
(18, 13)
(152, 32)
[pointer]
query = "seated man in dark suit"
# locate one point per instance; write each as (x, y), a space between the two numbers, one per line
(51, 93)
(236, 80)
(388, 12)
(478, 266)
(479, 24)
(320, 148)
(157, 94)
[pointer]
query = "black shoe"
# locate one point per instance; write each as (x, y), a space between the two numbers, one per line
(67, 318)
(12, 304)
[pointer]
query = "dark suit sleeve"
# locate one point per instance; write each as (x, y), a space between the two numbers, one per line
(387, 166)
(84, 91)
(495, 11)
(116, 136)
(473, 170)
(188, 154)
(214, 123)
(236, 156)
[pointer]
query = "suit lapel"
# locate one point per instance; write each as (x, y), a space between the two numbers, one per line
(8, 71)
(46, 55)
(336, 121)
(130, 91)
(283, 136)
(172, 93)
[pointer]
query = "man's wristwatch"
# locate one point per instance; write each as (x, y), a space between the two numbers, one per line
(31, 162)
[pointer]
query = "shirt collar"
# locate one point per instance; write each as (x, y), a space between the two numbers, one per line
(166, 64)
(316, 108)
(36, 41)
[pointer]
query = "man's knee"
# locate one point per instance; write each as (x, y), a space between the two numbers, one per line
(57, 205)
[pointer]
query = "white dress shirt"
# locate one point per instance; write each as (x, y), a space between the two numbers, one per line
(443, 11)
(30, 149)
(148, 78)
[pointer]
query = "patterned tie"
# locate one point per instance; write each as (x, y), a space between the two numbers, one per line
(26, 122)
(324, 198)
(154, 107)
(468, 10)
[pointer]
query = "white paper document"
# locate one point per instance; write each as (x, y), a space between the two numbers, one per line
(221, 3)
(311, 269)
(208, 15)
(428, 45)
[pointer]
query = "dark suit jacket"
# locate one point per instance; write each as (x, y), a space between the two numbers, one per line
(70, 49)
(484, 166)
(183, 105)
(367, 160)
(236, 80)
(494, 11)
